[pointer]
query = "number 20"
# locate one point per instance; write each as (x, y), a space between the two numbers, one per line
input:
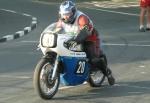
(81, 67)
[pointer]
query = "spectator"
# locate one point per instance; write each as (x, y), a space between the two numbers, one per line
(145, 9)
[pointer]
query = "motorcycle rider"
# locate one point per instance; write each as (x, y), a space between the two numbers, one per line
(75, 22)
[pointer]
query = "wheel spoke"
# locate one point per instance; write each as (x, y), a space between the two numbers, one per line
(45, 80)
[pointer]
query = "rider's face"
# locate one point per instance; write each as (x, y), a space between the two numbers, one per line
(66, 16)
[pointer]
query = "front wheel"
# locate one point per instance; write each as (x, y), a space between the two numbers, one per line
(44, 86)
(96, 78)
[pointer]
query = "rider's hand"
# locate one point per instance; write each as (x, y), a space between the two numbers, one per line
(57, 30)
(71, 43)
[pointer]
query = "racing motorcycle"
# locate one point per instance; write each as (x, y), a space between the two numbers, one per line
(62, 64)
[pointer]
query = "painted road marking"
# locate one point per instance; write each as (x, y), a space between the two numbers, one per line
(25, 31)
(9, 11)
(28, 77)
(107, 4)
(67, 87)
(130, 45)
(15, 77)
(116, 12)
(107, 44)
(132, 86)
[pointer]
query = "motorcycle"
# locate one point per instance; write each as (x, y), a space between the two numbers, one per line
(62, 64)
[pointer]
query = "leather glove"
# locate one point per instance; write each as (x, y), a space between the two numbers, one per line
(71, 43)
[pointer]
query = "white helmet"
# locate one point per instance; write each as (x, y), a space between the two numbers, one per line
(68, 7)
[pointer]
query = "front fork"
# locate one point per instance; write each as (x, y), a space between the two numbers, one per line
(55, 68)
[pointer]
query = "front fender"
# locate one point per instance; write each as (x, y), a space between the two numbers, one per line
(51, 57)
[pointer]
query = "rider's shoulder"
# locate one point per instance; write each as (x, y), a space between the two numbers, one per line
(82, 20)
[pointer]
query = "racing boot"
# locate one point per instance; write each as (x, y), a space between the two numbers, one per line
(111, 79)
(102, 64)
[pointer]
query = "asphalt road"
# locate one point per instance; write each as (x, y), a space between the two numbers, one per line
(126, 48)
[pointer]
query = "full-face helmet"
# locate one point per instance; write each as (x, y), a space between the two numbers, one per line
(67, 12)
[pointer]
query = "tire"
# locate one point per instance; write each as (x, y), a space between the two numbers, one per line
(96, 78)
(43, 86)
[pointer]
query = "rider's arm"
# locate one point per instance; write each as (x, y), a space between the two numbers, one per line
(85, 29)
(58, 26)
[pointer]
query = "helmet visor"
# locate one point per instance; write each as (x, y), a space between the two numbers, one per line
(66, 14)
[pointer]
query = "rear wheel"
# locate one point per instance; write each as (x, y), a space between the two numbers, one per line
(44, 86)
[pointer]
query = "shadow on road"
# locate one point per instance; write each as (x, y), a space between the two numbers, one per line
(122, 89)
